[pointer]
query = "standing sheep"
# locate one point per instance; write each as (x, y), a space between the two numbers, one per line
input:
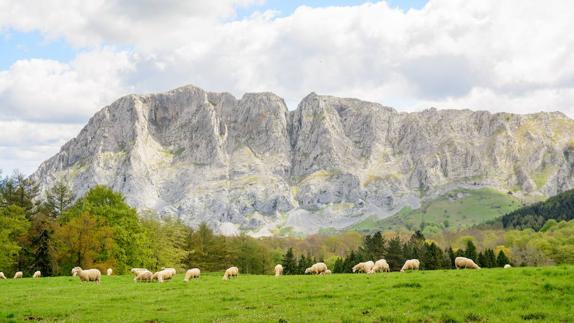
(110, 271)
(191, 274)
(89, 275)
(507, 266)
(2, 275)
(365, 267)
(411, 264)
(37, 274)
(18, 274)
(230, 273)
(462, 262)
(381, 265)
(317, 269)
(144, 276)
(278, 270)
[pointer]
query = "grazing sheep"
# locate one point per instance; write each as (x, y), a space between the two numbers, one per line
(171, 270)
(18, 274)
(37, 274)
(163, 275)
(75, 271)
(507, 266)
(381, 265)
(2, 275)
(230, 273)
(144, 276)
(327, 272)
(110, 271)
(89, 275)
(137, 271)
(365, 267)
(192, 274)
(411, 264)
(462, 262)
(278, 270)
(317, 269)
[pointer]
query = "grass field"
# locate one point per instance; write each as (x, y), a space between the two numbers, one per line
(456, 210)
(493, 295)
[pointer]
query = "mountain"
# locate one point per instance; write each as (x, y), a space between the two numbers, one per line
(252, 165)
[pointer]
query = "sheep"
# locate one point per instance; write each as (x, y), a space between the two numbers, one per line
(37, 274)
(381, 265)
(18, 274)
(2, 275)
(163, 275)
(230, 273)
(365, 267)
(191, 274)
(462, 262)
(327, 272)
(144, 276)
(411, 264)
(110, 271)
(317, 269)
(278, 270)
(89, 275)
(171, 270)
(75, 271)
(137, 271)
(507, 266)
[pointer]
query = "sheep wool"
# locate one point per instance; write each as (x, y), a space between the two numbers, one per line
(317, 269)
(2, 275)
(411, 264)
(75, 271)
(507, 266)
(230, 273)
(192, 274)
(465, 263)
(144, 276)
(37, 274)
(18, 274)
(137, 271)
(89, 275)
(365, 267)
(163, 275)
(110, 271)
(278, 270)
(381, 265)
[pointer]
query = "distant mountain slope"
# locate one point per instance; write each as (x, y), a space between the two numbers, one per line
(252, 165)
(559, 207)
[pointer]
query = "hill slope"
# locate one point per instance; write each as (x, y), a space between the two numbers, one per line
(251, 165)
(559, 207)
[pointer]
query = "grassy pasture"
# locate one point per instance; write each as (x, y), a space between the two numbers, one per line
(493, 295)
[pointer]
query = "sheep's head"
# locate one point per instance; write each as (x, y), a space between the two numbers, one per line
(308, 270)
(75, 270)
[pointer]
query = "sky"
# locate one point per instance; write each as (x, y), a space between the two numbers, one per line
(63, 60)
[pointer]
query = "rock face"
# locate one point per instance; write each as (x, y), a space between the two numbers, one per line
(252, 165)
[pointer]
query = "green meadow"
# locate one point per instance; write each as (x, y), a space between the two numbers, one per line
(543, 294)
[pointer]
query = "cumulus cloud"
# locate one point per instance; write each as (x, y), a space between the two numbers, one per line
(501, 56)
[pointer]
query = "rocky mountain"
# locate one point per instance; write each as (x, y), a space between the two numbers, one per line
(252, 165)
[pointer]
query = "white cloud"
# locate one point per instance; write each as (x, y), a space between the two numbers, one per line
(510, 56)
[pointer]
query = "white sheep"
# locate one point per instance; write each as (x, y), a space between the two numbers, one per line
(37, 274)
(110, 271)
(278, 270)
(327, 272)
(463, 262)
(230, 273)
(89, 275)
(317, 269)
(137, 271)
(75, 271)
(507, 266)
(381, 265)
(411, 264)
(144, 276)
(18, 274)
(2, 275)
(191, 274)
(163, 275)
(365, 267)
(171, 270)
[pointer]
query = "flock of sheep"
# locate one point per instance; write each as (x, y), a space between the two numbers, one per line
(144, 275)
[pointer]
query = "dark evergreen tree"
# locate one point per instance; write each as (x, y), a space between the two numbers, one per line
(481, 260)
(433, 257)
(470, 251)
(490, 258)
(58, 198)
(502, 259)
(394, 255)
(289, 263)
(451, 257)
(338, 266)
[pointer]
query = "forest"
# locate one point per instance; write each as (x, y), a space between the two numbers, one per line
(56, 231)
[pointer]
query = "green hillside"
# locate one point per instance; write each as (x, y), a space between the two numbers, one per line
(456, 210)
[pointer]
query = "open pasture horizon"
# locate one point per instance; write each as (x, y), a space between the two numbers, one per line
(544, 294)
